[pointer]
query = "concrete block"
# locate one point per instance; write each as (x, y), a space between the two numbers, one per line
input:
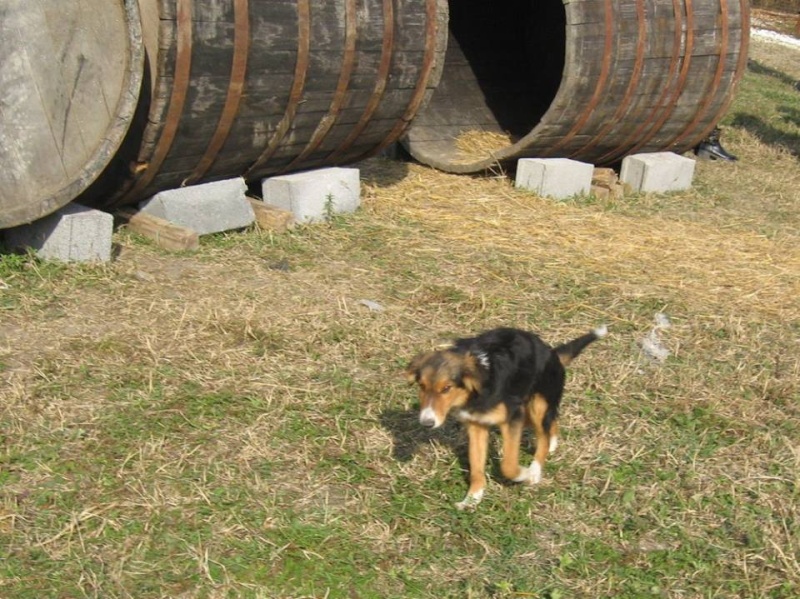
(312, 195)
(657, 171)
(205, 208)
(557, 178)
(74, 233)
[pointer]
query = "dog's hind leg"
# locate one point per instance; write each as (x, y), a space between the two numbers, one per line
(478, 435)
(537, 410)
(553, 436)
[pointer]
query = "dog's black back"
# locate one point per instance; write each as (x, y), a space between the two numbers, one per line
(514, 365)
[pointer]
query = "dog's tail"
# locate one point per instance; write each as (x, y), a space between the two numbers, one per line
(570, 350)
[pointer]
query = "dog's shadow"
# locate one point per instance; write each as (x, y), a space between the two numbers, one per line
(409, 436)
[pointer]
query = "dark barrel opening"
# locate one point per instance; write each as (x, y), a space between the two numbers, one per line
(502, 69)
(513, 51)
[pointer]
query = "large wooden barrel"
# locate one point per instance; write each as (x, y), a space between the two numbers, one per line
(255, 87)
(69, 82)
(593, 80)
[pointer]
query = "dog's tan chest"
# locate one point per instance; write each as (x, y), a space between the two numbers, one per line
(493, 417)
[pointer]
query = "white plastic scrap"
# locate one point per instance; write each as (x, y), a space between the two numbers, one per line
(662, 321)
(371, 305)
(651, 343)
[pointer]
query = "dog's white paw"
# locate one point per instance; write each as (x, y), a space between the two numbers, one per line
(523, 476)
(535, 473)
(471, 501)
(553, 443)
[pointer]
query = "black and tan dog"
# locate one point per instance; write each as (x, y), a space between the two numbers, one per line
(504, 377)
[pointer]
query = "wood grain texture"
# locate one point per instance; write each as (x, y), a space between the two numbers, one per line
(253, 88)
(70, 75)
(163, 233)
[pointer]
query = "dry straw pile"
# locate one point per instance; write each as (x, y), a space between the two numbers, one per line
(473, 146)
(712, 273)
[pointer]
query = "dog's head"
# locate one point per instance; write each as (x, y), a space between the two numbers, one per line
(446, 380)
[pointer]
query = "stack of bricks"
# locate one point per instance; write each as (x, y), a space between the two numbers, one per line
(606, 184)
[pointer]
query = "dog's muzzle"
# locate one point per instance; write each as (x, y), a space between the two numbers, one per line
(427, 417)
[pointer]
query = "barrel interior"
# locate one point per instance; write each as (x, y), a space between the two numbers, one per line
(503, 67)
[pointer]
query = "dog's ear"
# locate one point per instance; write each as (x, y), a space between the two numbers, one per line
(471, 378)
(413, 368)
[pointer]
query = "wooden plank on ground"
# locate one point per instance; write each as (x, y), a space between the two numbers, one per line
(165, 234)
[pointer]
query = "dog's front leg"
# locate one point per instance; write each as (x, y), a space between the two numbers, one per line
(478, 436)
(512, 437)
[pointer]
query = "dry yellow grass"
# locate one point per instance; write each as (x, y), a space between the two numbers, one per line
(235, 422)
(480, 145)
(219, 400)
(712, 272)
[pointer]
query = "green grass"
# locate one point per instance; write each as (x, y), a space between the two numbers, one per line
(235, 423)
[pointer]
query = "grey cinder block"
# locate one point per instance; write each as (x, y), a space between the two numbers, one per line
(205, 208)
(657, 172)
(557, 178)
(312, 195)
(74, 233)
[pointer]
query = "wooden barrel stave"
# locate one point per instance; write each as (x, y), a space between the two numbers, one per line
(241, 87)
(307, 94)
